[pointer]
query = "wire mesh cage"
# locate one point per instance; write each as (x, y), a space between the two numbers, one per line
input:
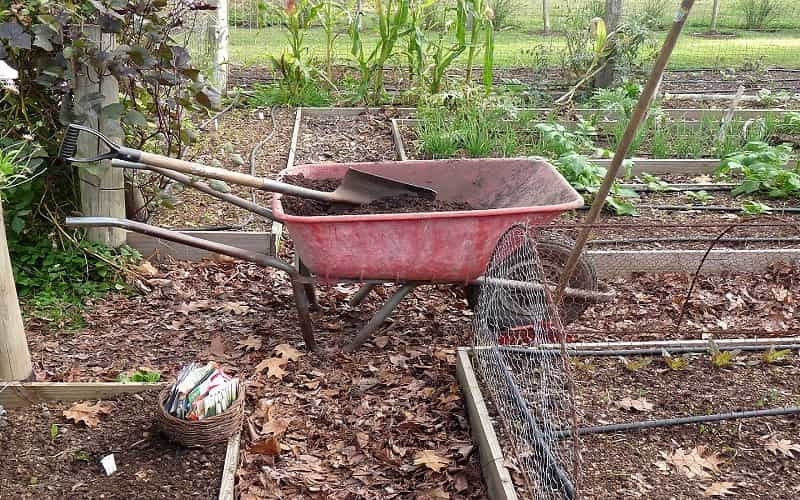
(531, 388)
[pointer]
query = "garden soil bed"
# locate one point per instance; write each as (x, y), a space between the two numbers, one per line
(38, 463)
(633, 465)
(353, 424)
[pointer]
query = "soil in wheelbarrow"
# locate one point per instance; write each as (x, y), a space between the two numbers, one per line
(393, 205)
(46, 455)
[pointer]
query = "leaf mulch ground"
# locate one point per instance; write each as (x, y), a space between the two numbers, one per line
(45, 455)
(632, 464)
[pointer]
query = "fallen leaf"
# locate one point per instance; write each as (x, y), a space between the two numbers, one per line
(398, 360)
(234, 308)
(435, 494)
(362, 438)
(86, 413)
(193, 306)
(719, 489)
(634, 404)
(250, 343)
(783, 446)
(381, 341)
(276, 426)
(146, 269)
(288, 352)
(431, 460)
(694, 463)
(217, 347)
(274, 367)
(267, 446)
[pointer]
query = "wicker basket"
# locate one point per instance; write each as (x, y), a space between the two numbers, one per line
(206, 432)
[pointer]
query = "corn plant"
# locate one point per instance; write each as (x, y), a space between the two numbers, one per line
(393, 25)
(295, 66)
(482, 27)
(329, 15)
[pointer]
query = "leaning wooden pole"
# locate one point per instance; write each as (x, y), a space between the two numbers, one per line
(15, 359)
(622, 149)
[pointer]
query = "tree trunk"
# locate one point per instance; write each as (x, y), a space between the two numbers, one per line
(714, 15)
(15, 359)
(546, 16)
(613, 18)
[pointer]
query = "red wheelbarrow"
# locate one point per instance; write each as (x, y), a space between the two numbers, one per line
(409, 249)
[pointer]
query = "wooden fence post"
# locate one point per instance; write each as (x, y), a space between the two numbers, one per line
(15, 359)
(102, 187)
(221, 53)
(546, 16)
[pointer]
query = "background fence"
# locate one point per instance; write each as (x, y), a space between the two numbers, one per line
(750, 34)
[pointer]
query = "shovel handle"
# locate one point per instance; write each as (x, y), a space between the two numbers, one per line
(239, 178)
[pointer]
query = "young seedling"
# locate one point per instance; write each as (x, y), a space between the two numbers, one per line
(674, 363)
(721, 359)
(755, 208)
(702, 197)
(773, 356)
(635, 364)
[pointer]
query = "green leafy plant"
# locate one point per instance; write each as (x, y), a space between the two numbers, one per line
(556, 139)
(790, 124)
(654, 183)
(141, 375)
(702, 196)
(758, 14)
(763, 169)
(755, 208)
(773, 356)
(308, 93)
(768, 97)
(721, 359)
(482, 17)
(393, 24)
(674, 363)
(53, 432)
(586, 176)
(329, 15)
(634, 365)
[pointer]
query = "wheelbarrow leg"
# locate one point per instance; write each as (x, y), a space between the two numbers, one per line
(380, 316)
(311, 291)
(361, 294)
(304, 315)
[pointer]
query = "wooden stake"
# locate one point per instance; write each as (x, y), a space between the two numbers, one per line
(546, 16)
(15, 359)
(102, 187)
(714, 16)
(625, 144)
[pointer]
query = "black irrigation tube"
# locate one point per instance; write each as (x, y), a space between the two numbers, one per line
(644, 352)
(669, 422)
(552, 466)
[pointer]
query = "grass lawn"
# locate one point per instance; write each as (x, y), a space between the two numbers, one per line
(527, 49)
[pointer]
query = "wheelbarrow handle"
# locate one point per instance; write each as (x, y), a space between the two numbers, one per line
(200, 186)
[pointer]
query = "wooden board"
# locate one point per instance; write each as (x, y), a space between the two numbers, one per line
(150, 246)
(498, 481)
(228, 483)
(20, 394)
(617, 263)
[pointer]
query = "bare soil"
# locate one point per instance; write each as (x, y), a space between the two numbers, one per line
(37, 465)
(396, 204)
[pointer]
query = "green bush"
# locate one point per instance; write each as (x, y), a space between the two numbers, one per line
(758, 14)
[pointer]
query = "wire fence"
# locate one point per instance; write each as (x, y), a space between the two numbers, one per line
(532, 395)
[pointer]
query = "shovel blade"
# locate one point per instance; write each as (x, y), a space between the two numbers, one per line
(359, 187)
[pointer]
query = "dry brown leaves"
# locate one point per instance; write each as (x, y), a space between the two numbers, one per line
(274, 367)
(783, 446)
(431, 459)
(719, 489)
(86, 413)
(634, 404)
(693, 464)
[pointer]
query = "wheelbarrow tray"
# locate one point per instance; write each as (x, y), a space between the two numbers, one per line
(446, 247)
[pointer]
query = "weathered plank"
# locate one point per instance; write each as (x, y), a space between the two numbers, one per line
(20, 394)
(227, 485)
(150, 246)
(618, 263)
(498, 480)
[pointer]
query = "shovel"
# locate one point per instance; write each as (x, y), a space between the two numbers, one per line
(357, 187)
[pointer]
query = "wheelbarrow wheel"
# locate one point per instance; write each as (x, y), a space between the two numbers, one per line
(554, 251)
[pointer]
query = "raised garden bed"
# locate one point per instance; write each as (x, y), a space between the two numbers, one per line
(643, 463)
(45, 455)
